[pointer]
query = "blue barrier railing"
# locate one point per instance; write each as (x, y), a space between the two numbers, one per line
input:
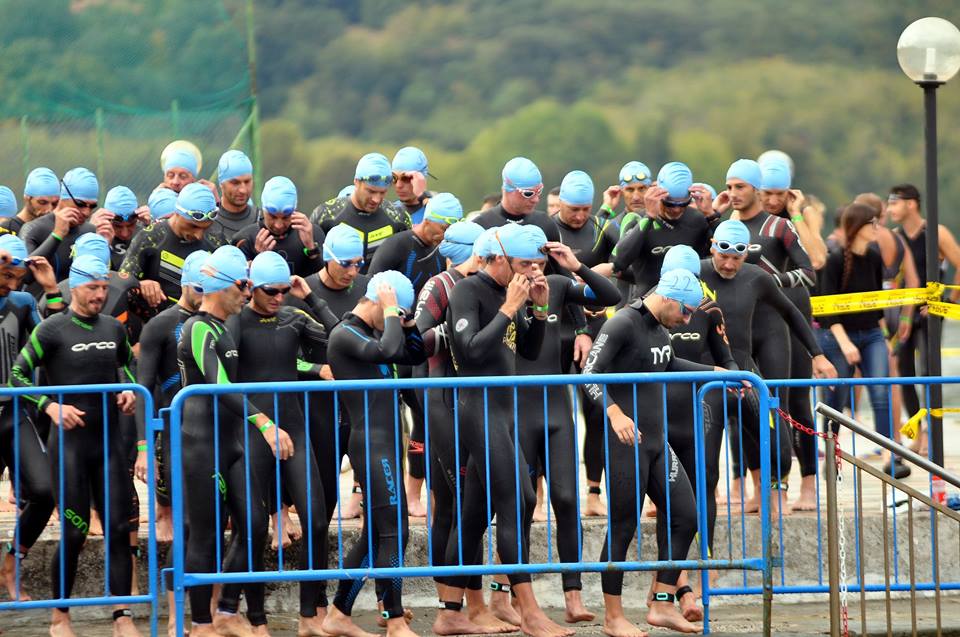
(13, 398)
(182, 578)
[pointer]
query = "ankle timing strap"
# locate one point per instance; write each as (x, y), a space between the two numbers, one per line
(499, 588)
(14, 552)
(664, 597)
(124, 612)
(594, 490)
(454, 606)
(683, 590)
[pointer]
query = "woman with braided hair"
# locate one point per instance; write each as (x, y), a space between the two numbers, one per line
(857, 340)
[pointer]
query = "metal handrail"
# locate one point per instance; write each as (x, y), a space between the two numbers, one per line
(887, 444)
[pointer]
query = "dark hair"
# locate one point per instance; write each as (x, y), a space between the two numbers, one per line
(492, 199)
(554, 191)
(906, 191)
(838, 216)
(855, 217)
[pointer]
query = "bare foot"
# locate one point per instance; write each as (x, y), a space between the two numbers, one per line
(124, 627)
(398, 627)
(9, 503)
(341, 625)
(96, 528)
(620, 627)
(752, 505)
(276, 532)
(415, 508)
(261, 631)
(232, 626)
(164, 524)
(8, 571)
(595, 507)
(202, 630)
(690, 609)
(779, 504)
(351, 508)
(808, 495)
(536, 624)
(502, 609)
(293, 531)
(575, 610)
(382, 623)
(539, 514)
(650, 510)
(451, 622)
(483, 617)
(60, 625)
(666, 615)
(311, 627)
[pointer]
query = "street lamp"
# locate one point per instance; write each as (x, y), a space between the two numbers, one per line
(929, 54)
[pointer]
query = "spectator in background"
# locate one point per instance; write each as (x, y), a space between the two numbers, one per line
(553, 201)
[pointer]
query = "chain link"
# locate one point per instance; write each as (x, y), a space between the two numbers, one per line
(841, 527)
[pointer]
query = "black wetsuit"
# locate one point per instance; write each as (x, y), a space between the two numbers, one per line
(227, 223)
(38, 236)
(593, 244)
(30, 474)
(741, 299)
(374, 227)
(634, 341)
(77, 350)
(547, 430)
(782, 255)
(213, 465)
(118, 251)
(157, 254)
(357, 351)
(289, 246)
(268, 348)
(11, 225)
(485, 342)
(639, 253)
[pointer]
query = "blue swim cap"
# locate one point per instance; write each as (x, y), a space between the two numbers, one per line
(233, 164)
(458, 241)
(42, 182)
(486, 244)
(162, 202)
(91, 244)
(635, 171)
(776, 175)
(346, 191)
(713, 191)
(181, 158)
(746, 170)
(279, 196)
(342, 243)
(269, 267)
(522, 242)
(732, 231)
(400, 284)
(576, 189)
(676, 178)
(443, 207)
(15, 246)
(87, 269)
(190, 270)
(681, 257)
(375, 169)
(8, 202)
(223, 268)
(195, 198)
(681, 285)
(121, 201)
(520, 172)
(410, 159)
(82, 183)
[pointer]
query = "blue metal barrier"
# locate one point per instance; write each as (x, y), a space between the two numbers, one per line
(799, 582)
(760, 561)
(110, 431)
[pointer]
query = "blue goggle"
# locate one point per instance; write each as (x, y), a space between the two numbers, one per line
(380, 181)
(285, 211)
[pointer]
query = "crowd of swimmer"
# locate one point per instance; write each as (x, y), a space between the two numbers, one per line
(202, 286)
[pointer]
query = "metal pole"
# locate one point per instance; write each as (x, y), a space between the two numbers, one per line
(933, 262)
(25, 145)
(255, 156)
(833, 542)
(100, 159)
(175, 118)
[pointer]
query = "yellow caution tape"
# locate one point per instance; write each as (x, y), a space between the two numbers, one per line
(911, 428)
(880, 299)
(950, 351)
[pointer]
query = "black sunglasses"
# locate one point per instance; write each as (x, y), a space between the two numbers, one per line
(272, 291)
(78, 203)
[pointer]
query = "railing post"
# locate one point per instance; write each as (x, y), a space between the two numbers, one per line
(833, 542)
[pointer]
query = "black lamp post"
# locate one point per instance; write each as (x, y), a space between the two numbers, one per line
(929, 54)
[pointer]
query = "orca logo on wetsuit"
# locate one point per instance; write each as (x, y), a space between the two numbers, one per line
(755, 247)
(82, 347)
(230, 353)
(659, 249)
(686, 336)
(661, 354)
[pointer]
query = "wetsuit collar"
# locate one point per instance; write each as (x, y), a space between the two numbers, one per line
(489, 280)
(89, 320)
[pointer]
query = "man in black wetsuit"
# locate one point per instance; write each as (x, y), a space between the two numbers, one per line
(41, 194)
(636, 340)
(155, 257)
(410, 172)
(741, 290)
(83, 347)
(207, 354)
(775, 247)
(415, 253)
(379, 333)
(270, 337)
(283, 229)
(635, 178)
(30, 474)
(490, 325)
(52, 235)
(366, 210)
(592, 239)
(236, 211)
(120, 207)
